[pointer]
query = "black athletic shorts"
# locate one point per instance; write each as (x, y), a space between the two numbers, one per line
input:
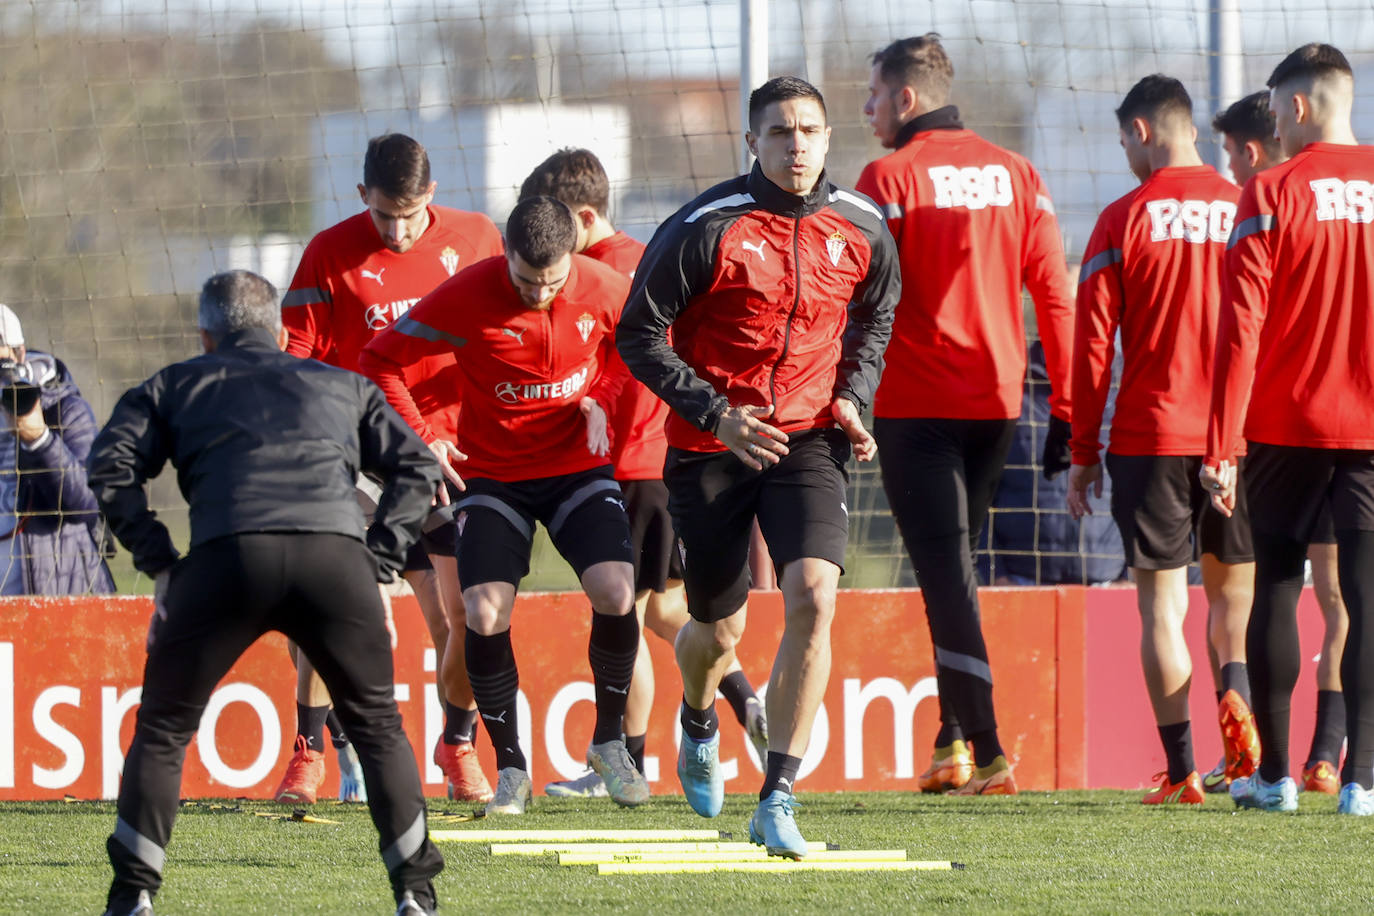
(1166, 517)
(652, 539)
(438, 538)
(583, 512)
(438, 535)
(1291, 486)
(714, 498)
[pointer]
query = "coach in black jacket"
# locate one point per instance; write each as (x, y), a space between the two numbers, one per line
(267, 448)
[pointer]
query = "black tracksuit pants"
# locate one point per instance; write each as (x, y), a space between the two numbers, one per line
(940, 476)
(321, 591)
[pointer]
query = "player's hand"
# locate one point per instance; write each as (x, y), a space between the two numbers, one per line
(159, 606)
(1056, 457)
(1220, 484)
(598, 437)
(1081, 476)
(846, 414)
(750, 439)
(446, 453)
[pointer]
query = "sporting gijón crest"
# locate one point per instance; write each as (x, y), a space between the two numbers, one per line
(834, 246)
(449, 258)
(585, 325)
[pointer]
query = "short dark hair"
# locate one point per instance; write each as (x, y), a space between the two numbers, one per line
(1155, 98)
(919, 62)
(1249, 120)
(397, 166)
(574, 176)
(780, 89)
(237, 300)
(541, 230)
(1312, 61)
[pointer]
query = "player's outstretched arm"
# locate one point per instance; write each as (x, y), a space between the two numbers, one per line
(391, 451)
(1100, 295)
(128, 452)
(1044, 273)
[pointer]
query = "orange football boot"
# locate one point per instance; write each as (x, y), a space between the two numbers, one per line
(463, 772)
(1321, 777)
(947, 772)
(304, 776)
(1239, 736)
(1188, 792)
(993, 779)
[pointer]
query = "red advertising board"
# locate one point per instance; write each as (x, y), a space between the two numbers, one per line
(70, 671)
(1070, 697)
(1123, 749)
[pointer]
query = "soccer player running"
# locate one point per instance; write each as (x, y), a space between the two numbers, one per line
(266, 448)
(1294, 343)
(778, 288)
(354, 280)
(639, 447)
(973, 223)
(533, 333)
(1152, 271)
(1247, 129)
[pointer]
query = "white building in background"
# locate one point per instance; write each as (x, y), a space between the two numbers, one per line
(479, 156)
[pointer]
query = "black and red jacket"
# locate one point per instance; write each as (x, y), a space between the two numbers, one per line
(773, 299)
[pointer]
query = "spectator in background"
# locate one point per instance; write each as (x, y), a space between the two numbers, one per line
(1030, 539)
(50, 528)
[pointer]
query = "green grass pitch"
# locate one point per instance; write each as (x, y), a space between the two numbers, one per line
(1055, 852)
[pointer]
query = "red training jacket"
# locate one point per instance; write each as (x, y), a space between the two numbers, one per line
(1153, 269)
(973, 223)
(639, 444)
(773, 299)
(523, 370)
(1298, 317)
(349, 287)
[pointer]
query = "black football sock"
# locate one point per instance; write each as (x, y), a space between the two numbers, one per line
(737, 690)
(336, 730)
(950, 731)
(635, 745)
(1329, 733)
(1178, 749)
(495, 683)
(460, 725)
(1355, 550)
(781, 774)
(699, 724)
(310, 725)
(1271, 646)
(1235, 677)
(612, 649)
(986, 748)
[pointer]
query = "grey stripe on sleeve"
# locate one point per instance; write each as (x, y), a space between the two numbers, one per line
(412, 328)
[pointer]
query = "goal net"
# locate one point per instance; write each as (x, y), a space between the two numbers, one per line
(149, 143)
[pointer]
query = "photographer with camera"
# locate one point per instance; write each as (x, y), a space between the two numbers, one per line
(50, 529)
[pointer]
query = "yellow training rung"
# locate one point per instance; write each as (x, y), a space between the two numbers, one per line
(757, 854)
(539, 849)
(570, 836)
(773, 865)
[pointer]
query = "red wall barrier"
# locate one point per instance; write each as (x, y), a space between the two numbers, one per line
(1070, 697)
